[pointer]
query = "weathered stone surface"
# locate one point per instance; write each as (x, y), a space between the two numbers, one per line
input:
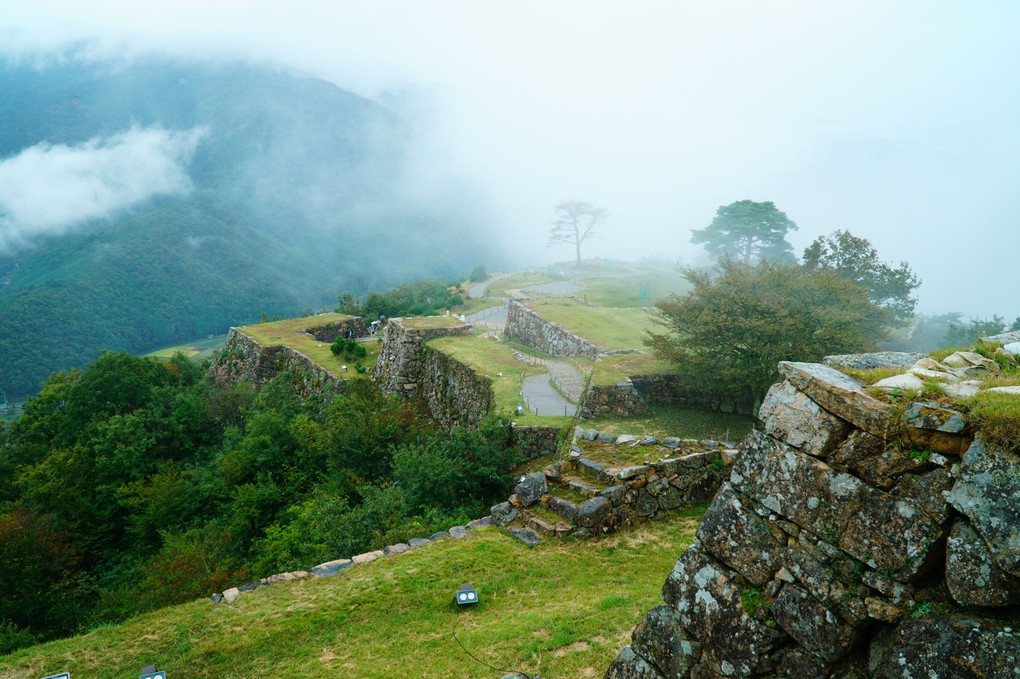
(590, 434)
(945, 647)
(531, 488)
(927, 492)
(628, 665)
(625, 438)
(398, 548)
(739, 538)
(230, 595)
(671, 442)
(696, 460)
(968, 359)
(441, 535)
(414, 543)
(706, 597)
(646, 503)
(1003, 338)
(877, 359)
(887, 533)
(987, 492)
(217, 597)
(458, 532)
(932, 427)
(840, 394)
(973, 577)
(614, 493)
(661, 640)
(670, 498)
(583, 487)
(1006, 390)
(835, 588)
(962, 390)
(1013, 348)
(631, 472)
(565, 508)
(898, 384)
(478, 523)
(367, 557)
(324, 570)
(606, 437)
(881, 610)
(857, 449)
(648, 441)
(796, 662)
(817, 629)
(792, 417)
(592, 511)
(525, 535)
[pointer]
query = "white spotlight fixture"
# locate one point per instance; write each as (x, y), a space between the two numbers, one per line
(467, 595)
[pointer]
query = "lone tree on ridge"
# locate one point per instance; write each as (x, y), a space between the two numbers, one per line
(575, 223)
(747, 231)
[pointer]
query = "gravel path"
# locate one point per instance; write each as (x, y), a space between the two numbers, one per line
(542, 399)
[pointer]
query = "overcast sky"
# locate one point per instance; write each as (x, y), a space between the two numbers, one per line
(899, 121)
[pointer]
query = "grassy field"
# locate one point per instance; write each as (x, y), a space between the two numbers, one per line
(473, 306)
(666, 421)
(616, 367)
(422, 322)
(562, 609)
(288, 332)
(489, 357)
(644, 289)
(197, 349)
(607, 328)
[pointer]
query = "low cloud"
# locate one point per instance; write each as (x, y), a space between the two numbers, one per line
(49, 189)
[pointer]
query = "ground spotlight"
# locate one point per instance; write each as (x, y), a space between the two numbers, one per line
(467, 595)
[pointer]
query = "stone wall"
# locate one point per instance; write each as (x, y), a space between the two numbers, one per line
(536, 441)
(529, 328)
(400, 368)
(454, 394)
(330, 331)
(633, 396)
(851, 540)
(242, 358)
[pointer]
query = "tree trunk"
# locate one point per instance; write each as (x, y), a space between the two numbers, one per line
(578, 246)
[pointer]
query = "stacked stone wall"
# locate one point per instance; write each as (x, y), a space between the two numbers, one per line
(454, 394)
(529, 328)
(633, 396)
(331, 331)
(400, 366)
(244, 359)
(853, 539)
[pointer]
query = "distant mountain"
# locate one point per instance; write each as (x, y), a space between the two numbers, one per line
(150, 203)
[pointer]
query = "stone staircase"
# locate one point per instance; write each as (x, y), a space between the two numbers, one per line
(582, 497)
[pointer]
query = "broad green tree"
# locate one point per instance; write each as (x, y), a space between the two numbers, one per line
(857, 259)
(747, 231)
(728, 334)
(575, 223)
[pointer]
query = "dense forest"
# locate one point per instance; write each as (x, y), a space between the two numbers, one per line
(135, 483)
(294, 189)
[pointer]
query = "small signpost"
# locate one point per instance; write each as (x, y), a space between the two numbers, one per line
(149, 672)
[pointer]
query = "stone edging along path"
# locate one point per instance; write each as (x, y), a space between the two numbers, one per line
(330, 568)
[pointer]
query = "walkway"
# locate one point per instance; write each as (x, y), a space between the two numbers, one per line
(543, 400)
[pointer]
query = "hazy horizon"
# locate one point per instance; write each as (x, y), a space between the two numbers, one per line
(898, 123)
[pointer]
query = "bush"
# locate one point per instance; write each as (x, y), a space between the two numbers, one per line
(347, 348)
(478, 274)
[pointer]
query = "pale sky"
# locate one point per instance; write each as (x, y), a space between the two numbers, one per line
(899, 121)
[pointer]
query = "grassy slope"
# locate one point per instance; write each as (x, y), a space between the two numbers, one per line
(562, 609)
(489, 357)
(608, 328)
(288, 332)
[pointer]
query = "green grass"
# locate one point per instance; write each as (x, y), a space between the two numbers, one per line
(423, 322)
(288, 332)
(626, 291)
(683, 423)
(197, 349)
(473, 306)
(562, 609)
(617, 367)
(490, 357)
(517, 281)
(607, 328)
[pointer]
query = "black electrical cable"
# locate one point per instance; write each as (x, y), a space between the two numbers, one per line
(479, 660)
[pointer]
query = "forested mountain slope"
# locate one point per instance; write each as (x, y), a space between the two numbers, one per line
(153, 202)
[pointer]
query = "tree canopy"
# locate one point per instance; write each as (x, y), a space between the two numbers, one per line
(856, 259)
(575, 223)
(747, 231)
(728, 334)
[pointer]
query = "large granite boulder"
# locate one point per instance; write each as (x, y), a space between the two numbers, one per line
(988, 493)
(840, 394)
(973, 577)
(792, 417)
(877, 359)
(531, 488)
(661, 640)
(946, 647)
(755, 555)
(818, 630)
(629, 665)
(707, 598)
(931, 427)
